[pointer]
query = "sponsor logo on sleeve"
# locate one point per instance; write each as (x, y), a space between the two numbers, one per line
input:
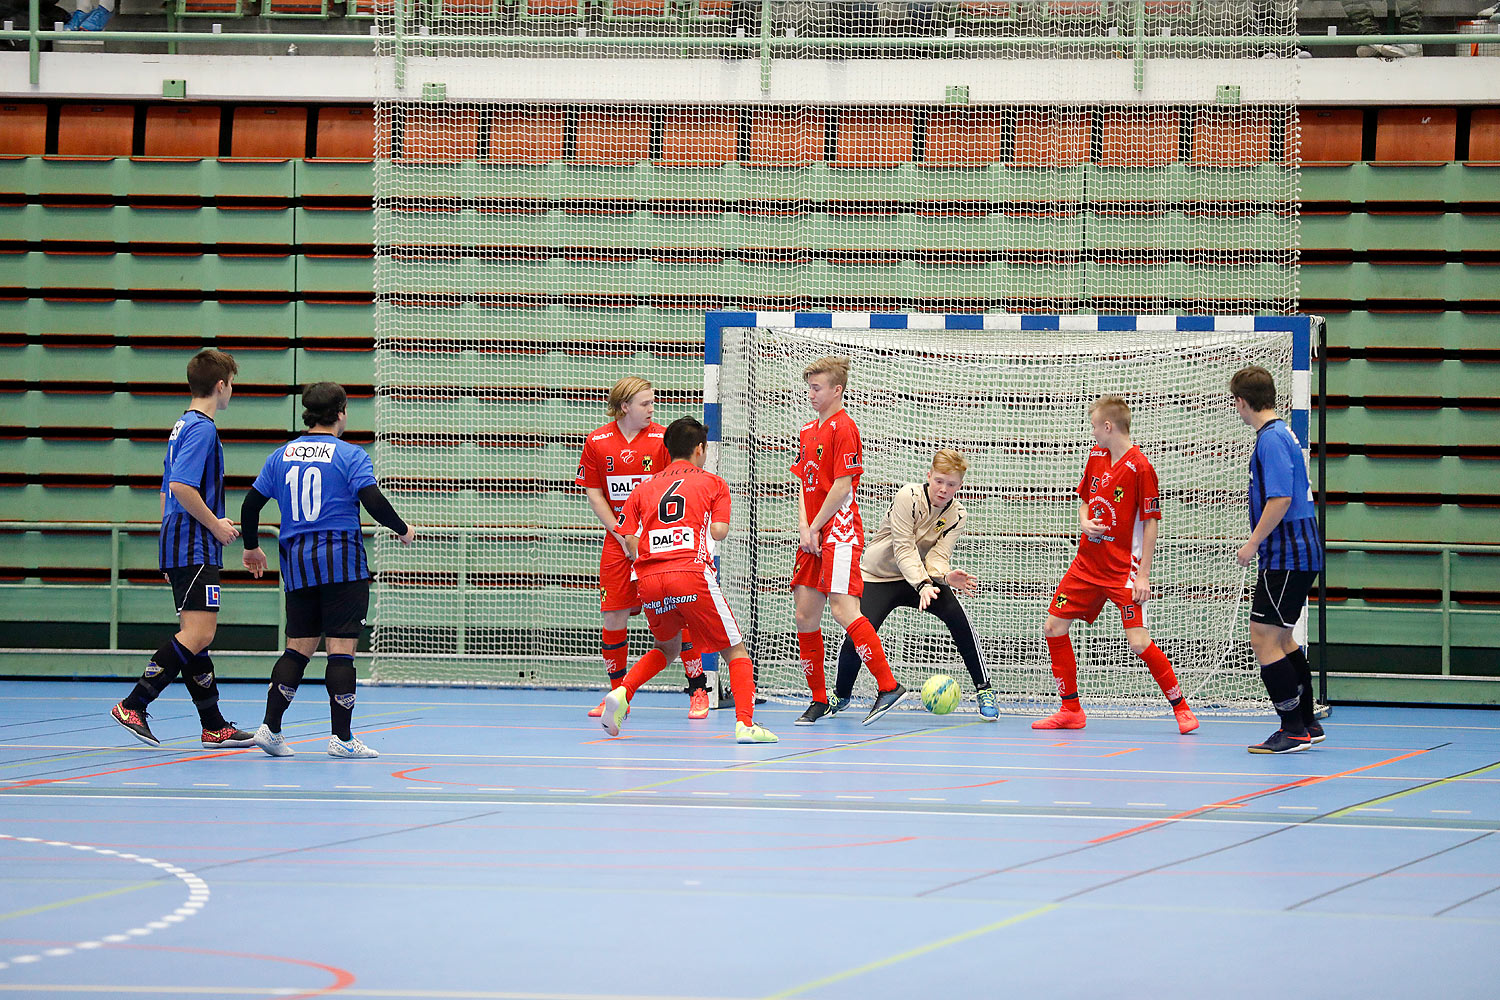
(851, 460)
(309, 451)
(1153, 505)
(177, 429)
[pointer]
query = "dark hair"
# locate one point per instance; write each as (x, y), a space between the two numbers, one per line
(322, 402)
(683, 437)
(1255, 386)
(207, 369)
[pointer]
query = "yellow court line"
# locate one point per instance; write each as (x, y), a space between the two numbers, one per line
(766, 763)
(914, 952)
(1412, 791)
(77, 899)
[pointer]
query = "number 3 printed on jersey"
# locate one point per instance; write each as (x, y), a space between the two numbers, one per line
(310, 504)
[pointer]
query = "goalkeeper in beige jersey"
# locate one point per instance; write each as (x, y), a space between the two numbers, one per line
(907, 564)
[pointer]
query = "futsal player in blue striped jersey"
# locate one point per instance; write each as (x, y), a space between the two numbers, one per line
(194, 532)
(319, 481)
(1284, 534)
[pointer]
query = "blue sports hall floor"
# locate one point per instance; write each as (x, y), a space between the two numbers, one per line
(502, 847)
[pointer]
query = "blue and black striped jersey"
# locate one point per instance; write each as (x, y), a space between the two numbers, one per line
(1278, 469)
(316, 480)
(195, 458)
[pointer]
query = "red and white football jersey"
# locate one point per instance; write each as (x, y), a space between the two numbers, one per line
(671, 514)
(616, 465)
(825, 453)
(1124, 496)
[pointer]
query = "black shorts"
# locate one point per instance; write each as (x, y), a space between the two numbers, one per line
(336, 610)
(1280, 595)
(195, 588)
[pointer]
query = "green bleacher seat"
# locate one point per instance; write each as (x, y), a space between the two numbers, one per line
(41, 456)
(1450, 183)
(335, 225)
(328, 273)
(186, 272)
(148, 319)
(106, 408)
(38, 363)
(122, 177)
(1406, 523)
(129, 224)
(1361, 377)
(1449, 474)
(1453, 331)
(1359, 281)
(1449, 426)
(1452, 231)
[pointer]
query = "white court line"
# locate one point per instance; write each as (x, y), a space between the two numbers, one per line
(197, 899)
(210, 784)
(1453, 812)
(1313, 808)
(613, 802)
(1148, 805)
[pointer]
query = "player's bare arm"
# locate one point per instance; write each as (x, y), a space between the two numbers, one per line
(1140, 590)
(222, 528)
(1270, 516)
(599, 504)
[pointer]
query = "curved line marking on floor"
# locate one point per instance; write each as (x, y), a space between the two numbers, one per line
(197, 898)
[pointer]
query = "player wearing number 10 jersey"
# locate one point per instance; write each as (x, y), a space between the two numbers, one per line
(670, 524)
(617, 458)
(319, 482)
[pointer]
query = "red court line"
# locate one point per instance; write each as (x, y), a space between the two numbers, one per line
(1234, 803)
(33, 782)
(1117, 753)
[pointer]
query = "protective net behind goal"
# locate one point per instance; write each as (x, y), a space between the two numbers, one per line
(1015, 402)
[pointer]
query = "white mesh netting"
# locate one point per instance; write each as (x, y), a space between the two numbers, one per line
(600, 173)
(1016, 403)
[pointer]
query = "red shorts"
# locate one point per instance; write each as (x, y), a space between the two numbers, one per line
(833, 571)
(1081, 599)
(692, 600)
(617, 584)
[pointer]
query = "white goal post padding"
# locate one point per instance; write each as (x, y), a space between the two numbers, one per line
(1012, 392)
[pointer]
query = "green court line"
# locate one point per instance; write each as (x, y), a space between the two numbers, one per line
(914, 952)
(76, 899)
(1411, 791)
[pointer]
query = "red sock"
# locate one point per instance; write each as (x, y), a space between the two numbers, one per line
(742, 683)
(1161, 669)
(692, 662)
(615, 647)
(810, 651)
(645, 668)
(1064, 667)
(867, 644)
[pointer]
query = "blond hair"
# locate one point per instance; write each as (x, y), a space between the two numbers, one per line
(1114, 409)
(950, 462)
(623, 392)
(836, 368)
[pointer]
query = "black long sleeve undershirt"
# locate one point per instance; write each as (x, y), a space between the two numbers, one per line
(373, 500)
(381, 510)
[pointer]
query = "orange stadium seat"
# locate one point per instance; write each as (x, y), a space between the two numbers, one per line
(440, 134)
(345, 133)
(699, 137)
(785, 138)
(1231, 137)
(1048, 138)
(612, 138)
(100, 130)
(1333, 136)
(1138, 139)
(23, 129)
(185, 130)
(1484, 136)
(1416, 135)
(276, 133)
(655, 9)
(526, 137)
(881, 138)
(964, 137)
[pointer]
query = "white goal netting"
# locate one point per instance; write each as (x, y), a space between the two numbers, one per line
(1016, 404)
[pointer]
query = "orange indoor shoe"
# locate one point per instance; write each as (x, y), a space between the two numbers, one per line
(1186, 720)
(596, 711)
(698, 706)
(1063, 718)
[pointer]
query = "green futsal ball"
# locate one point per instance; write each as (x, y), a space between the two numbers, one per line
(941, 694)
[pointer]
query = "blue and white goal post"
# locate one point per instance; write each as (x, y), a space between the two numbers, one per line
(899, 348)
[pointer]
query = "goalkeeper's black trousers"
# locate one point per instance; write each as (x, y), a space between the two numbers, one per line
(880, 599)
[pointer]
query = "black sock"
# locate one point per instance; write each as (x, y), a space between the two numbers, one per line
(338, 677)
(204, 688)
(698, 683)
(285, 677)
(166, 663)
(1304, 674)
(1280, 679)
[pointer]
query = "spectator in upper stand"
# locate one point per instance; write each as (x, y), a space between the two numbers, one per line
(1366, 17)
